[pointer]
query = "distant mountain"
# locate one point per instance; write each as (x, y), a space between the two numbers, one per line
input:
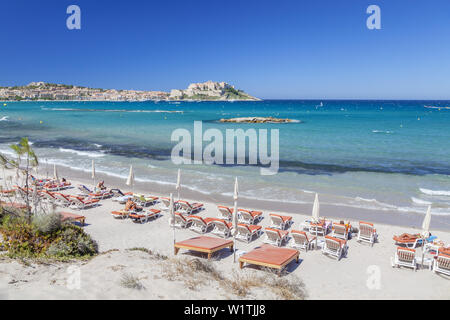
(59, 92)
(210, 90)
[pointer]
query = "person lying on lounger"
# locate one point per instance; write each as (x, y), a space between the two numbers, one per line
(101, 185)
(132, 206)
(407, 236)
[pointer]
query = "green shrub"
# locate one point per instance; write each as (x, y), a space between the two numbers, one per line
(45, 237)
(48, 223)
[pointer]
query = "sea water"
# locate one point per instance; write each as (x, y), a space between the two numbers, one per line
(380, 155)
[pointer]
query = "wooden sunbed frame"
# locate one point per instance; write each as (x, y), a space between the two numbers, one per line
(209, 250)
(280, 267)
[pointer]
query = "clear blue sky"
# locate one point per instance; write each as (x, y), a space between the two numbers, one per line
(271, 49)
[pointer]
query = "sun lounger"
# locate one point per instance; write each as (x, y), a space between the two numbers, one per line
(48, 197)
(335, 247)
(249, 217)
(405, 257)
(280, 222)
(7, 193)
(145, 201)
(301, 240)
(270, 257)
(165, 204)
(122, 199)
(118, 193)
(121, 214)
(100, 195)
(340, 231)
(318, 229)
(144, 216)
(181, 221)
(408, 240)
(67, 216)
(222, 228)
(62, 199)
(276, 236)
(367, 232)
(441, 262)
(204, 244)
(189, 208)
(80, 203)
(246, 232)
(13, 205)
(57, 187)
(225, 213)
(84, 190)
(200, 224)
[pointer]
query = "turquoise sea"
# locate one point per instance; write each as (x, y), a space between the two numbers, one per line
(377, 155)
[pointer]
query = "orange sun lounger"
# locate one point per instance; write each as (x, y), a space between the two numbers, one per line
(67, 216)
(269, 256)
(204, 244)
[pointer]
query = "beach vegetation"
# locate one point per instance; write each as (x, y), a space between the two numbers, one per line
(24, 155)
(198, 272)
(45, 237)
(131, 282)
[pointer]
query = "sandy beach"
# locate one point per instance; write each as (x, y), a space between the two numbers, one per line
(365, 273)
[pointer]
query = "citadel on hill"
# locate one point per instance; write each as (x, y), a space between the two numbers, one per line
(59, 92)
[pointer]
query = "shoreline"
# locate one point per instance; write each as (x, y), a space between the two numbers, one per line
(332, 211)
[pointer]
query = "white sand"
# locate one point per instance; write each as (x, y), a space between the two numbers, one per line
(325, 278)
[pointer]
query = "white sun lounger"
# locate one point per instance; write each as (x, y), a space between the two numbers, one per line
(181, 222)
(367, 233)
(249, 217)
(246, 232)
(200, 224)
(441, 264)
(280, 222)
(339, 231)
(275, 236)
(63, 200)
(335, 247)
(189, 208)
(301, 240)
(404, 257)
(80, 203)
(225, 213)
(222, 228)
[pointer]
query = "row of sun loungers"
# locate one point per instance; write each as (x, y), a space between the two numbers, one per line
(137, 216)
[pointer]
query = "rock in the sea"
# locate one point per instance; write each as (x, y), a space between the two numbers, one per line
(258, 120)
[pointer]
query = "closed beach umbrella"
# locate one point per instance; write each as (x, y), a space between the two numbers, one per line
(426, 229)
(93, 172)
(315, 213)
(172, 215)
(178, 186)
(55, 173)
(316, 209)
(235, 216)
(426, 223)
(130, 180)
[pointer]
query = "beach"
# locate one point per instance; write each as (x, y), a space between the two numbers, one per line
(324, 278)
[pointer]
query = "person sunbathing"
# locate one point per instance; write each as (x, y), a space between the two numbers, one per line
(132, 206)
(101, 185)
(407, 236)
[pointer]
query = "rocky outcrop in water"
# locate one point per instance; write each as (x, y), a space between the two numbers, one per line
(258, 120)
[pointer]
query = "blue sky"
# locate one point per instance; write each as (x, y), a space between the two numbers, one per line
(271, 49)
